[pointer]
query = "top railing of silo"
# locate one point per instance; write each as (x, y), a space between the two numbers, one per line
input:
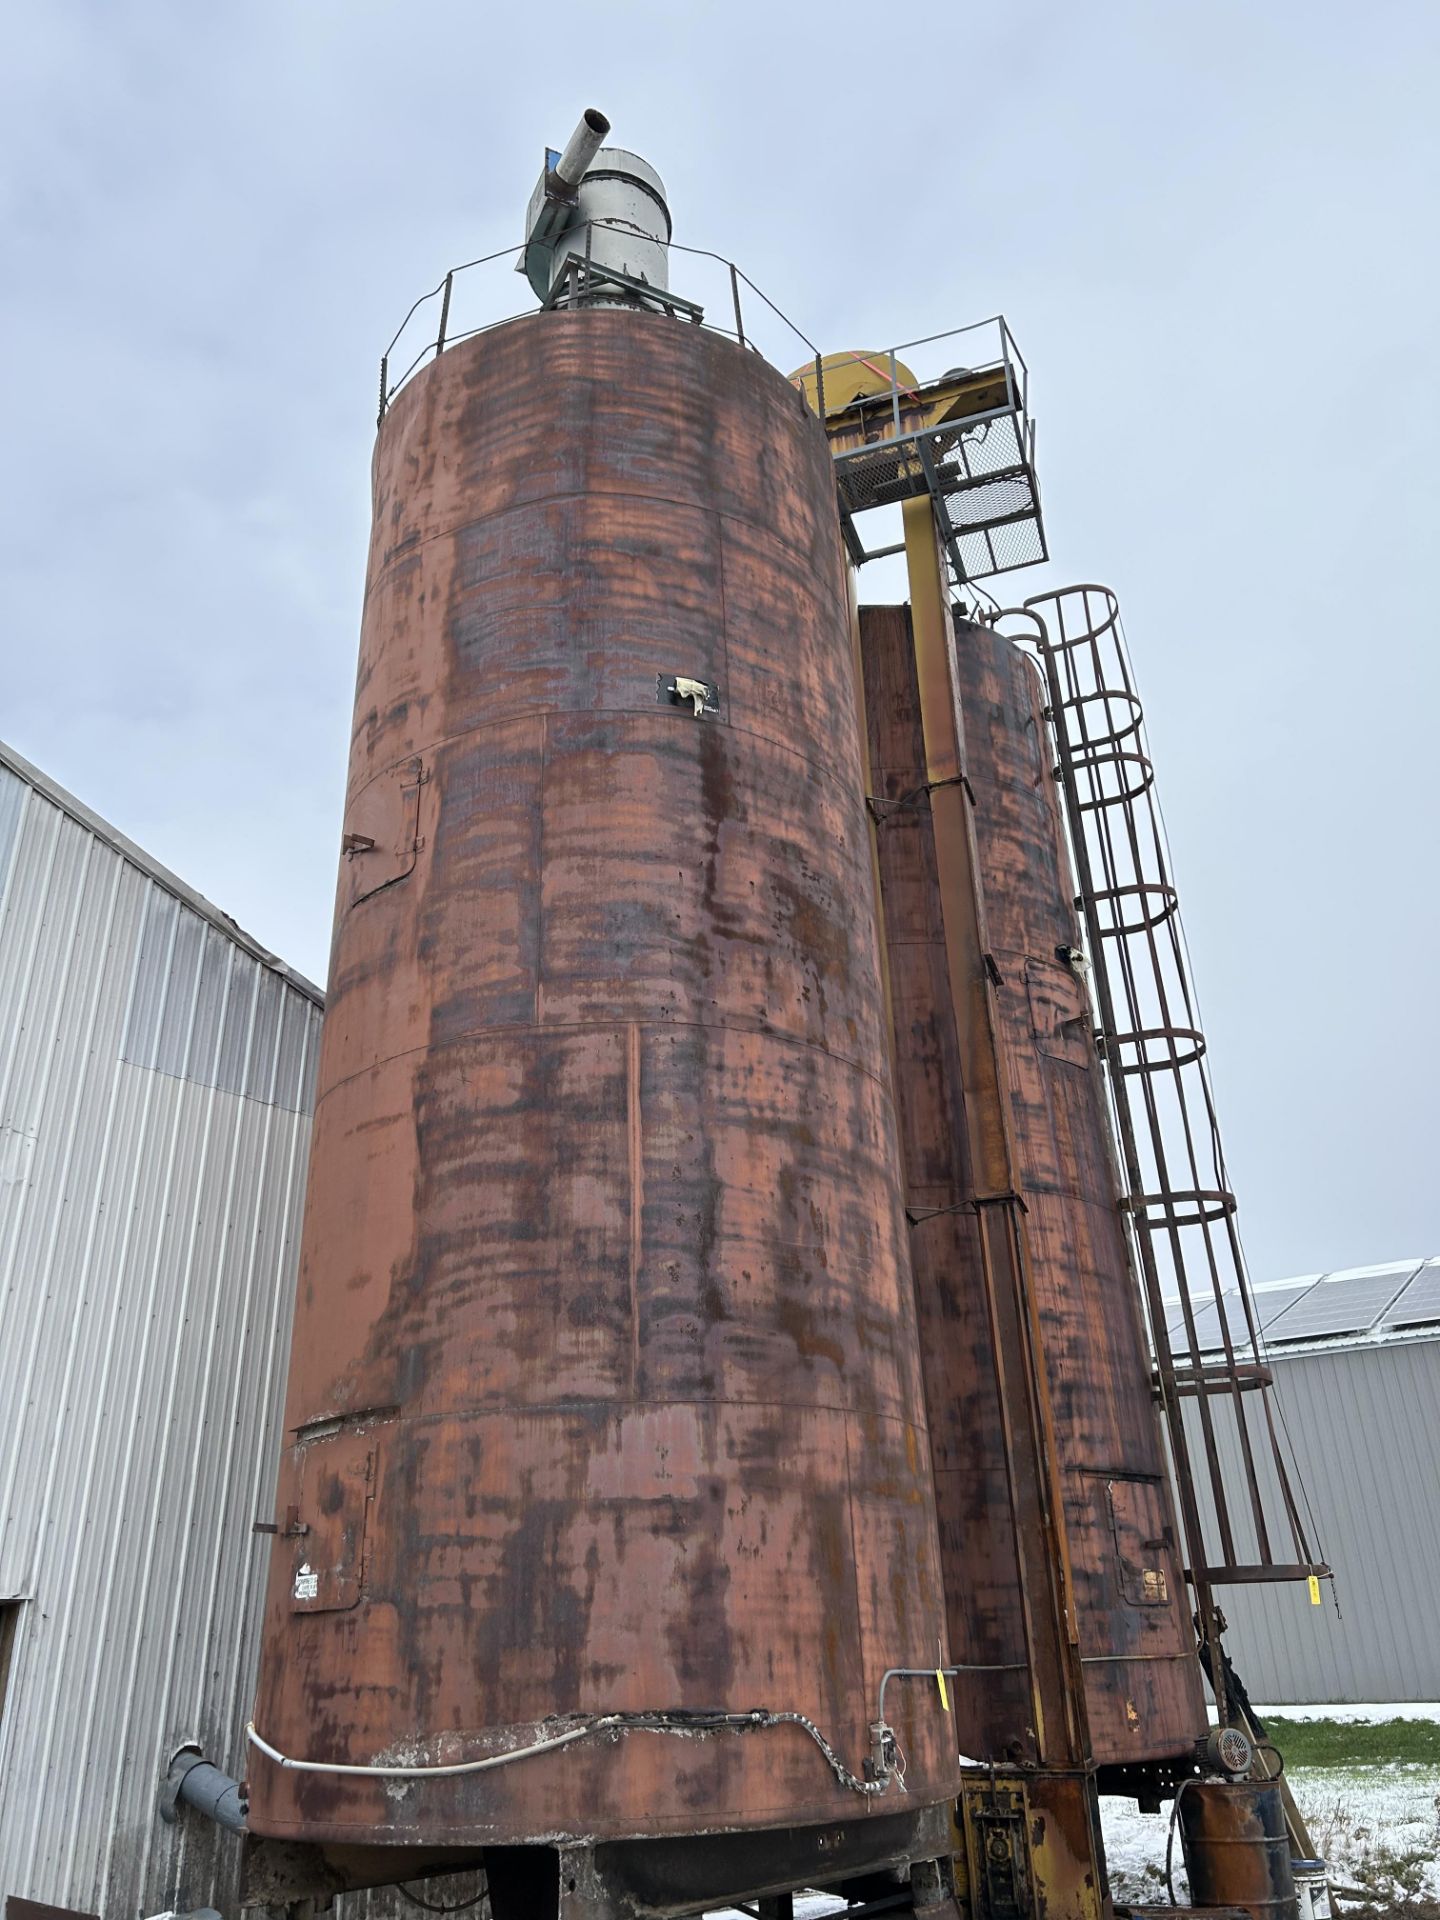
(714, 287)
(952, 408)
(712, 292)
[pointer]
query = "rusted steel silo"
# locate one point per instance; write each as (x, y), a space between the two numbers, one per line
(1143, 1691)
(605, 1392)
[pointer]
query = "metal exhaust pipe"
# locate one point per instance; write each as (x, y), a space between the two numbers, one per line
(582, 147)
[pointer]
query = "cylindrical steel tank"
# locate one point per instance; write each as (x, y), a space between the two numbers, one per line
(604, 1393)
(1143, 1687)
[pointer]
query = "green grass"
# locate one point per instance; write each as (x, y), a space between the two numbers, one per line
(1358, 1743)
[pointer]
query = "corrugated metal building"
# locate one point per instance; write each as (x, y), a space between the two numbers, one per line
(1356, 1360)
(156, 1068)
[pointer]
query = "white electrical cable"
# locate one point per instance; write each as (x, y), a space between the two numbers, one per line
(620, 1722)
(427, 1773)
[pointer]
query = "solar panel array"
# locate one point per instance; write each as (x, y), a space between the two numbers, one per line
(1402, 1295)
(1419, 1304)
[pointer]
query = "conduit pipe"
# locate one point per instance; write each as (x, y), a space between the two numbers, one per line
(192, 1781)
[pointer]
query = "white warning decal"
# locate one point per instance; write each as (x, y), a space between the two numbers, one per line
(307, 1584)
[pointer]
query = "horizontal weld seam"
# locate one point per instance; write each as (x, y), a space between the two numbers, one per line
(562, 713)
(607, 1026)
(584, 493)
(580, 1402)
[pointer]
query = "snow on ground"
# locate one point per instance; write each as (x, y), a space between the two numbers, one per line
(1374, 1710)
(1135, 1853)
(1379, 1827)
(1374, 1824)
(808, 1906)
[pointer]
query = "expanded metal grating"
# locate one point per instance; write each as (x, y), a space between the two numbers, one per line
(963, 438)
(998, 547)
(981, 478)
(879, 476)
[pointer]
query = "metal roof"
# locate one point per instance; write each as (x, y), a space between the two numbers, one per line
(1351, 1304)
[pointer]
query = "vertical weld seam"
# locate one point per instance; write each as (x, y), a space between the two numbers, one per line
(537, 990)
(861, 1635)
(728, 707)
(637, 1194)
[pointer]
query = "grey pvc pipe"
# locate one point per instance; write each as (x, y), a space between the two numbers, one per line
(214, 1794)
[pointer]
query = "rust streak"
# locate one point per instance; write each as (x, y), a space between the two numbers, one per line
(637, 1196)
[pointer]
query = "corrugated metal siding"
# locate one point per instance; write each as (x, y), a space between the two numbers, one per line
(1365, 1427)
(155, 1086)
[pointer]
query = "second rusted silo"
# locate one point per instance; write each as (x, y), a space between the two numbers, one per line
(1143, 1692)
(604, 1400)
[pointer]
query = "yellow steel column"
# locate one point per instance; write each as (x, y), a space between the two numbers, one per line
(1060, 1832)
(1042, 1549)
(868, 774)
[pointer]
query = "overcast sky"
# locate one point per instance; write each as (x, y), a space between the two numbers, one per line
(1211, 226)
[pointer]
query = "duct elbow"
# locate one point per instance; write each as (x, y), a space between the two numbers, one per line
(582, 147)
(193, 1782)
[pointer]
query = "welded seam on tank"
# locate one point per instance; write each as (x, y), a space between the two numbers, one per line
(505, 1028)
(540, 869)
(855, 1545)
(659, 1826)
(660, 716)
(499, 1410)
(724, 615)
(635, 1138)
(408, 552)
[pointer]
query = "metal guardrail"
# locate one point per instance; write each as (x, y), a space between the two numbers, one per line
(902, 370)
(946, 414)
(718, 295)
